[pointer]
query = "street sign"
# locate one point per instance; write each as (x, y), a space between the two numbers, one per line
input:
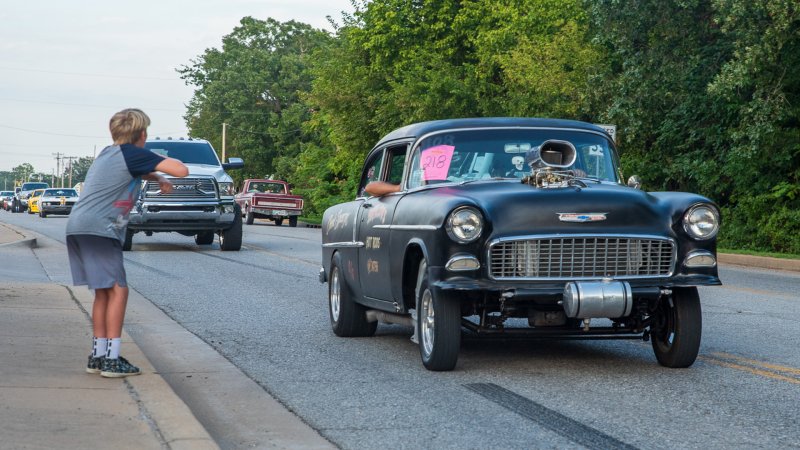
(611, 130)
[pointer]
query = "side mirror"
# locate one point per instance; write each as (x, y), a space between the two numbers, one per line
(233, 163)
(635, 182)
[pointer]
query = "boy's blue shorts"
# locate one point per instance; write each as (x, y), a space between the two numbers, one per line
(95, 261)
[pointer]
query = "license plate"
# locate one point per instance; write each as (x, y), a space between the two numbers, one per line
(280, 212)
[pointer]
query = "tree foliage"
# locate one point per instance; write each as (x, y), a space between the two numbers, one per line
(254, 85)
(705, 93)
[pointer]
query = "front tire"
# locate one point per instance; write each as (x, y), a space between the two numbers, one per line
(128, 243)
(204, 238)
(677, 328)
(42, 214)
(231, 239)
(249, 217)
(439, 325)
(348, 318)
(278, 222)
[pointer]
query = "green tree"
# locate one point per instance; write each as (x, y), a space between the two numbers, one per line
(395, 62)
(22, 172)
(253, 83)
(79, 169)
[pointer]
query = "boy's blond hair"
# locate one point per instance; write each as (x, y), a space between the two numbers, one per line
(127, 125)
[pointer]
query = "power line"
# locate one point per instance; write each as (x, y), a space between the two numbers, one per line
(82, 104)
(71, 135)
(129, 77)
(50, 133)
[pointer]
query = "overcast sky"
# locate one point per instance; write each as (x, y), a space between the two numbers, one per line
(67, 66)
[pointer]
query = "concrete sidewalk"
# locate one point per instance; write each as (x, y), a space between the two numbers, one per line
(196, 399)
(47, 400)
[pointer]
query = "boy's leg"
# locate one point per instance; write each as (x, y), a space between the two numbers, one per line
(115, 312)
(99, 309)
(114, 365)
(100, 339)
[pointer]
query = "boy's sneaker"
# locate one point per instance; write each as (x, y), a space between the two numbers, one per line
(95, 364)
(117, 368)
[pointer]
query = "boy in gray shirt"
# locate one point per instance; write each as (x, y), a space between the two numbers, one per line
(96, 230)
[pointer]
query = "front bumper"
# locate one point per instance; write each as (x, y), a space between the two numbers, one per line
(49, 209)
(273, 212)
(551, 291)
(180, 217)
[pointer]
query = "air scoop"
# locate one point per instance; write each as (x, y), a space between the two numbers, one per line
(549, 163)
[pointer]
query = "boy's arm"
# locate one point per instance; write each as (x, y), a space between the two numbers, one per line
(172, 166)
(163, 182)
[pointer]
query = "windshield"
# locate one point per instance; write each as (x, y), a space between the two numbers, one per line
(187, 152)
(60, 193)
(455, 156)
(33, 186)
(269, 188)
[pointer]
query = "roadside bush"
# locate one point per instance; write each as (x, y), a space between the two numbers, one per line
(761, 223)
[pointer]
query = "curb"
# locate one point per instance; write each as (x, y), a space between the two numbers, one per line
(24, 239)
(763, 262)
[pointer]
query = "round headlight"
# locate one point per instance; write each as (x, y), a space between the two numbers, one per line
(701, 222)
(464, 225)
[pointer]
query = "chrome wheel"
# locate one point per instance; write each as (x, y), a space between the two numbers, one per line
(335, 295)
(428, 323)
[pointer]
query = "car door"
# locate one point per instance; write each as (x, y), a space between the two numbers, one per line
(376, 268)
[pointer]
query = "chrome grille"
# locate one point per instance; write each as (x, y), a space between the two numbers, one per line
(183, 188)
(581, 257)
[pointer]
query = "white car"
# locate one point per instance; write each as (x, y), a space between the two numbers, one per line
(57, 201)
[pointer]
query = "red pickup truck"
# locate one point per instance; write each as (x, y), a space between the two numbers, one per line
(269, 199)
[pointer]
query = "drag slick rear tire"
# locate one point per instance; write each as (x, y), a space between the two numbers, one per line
(677, 328)
(439, 325)
(348, 318)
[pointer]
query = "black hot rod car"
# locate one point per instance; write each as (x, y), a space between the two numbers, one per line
(501, 219)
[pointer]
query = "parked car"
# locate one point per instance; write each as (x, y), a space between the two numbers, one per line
(33, 201)
(5, 199)
(470, 243)
(269, 199)
(57, 201)
(200, 204)
(20, 202)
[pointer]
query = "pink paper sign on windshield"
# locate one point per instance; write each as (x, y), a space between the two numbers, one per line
(435, 162)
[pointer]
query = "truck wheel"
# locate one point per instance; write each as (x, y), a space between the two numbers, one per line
(293, 221)
(348, 318)
(128, 244)
(250, 217)
(231, 239)
(677, 328)
(204, 238)
(278, 222)
(439, 325)
(42, 214)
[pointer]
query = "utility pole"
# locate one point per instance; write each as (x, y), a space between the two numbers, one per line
(70, 158)
(58, 157)
(224, 129)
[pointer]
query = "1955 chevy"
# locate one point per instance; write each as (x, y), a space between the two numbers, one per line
(516, 226)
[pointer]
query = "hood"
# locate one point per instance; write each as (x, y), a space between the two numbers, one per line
(203, 170)
(514, 208)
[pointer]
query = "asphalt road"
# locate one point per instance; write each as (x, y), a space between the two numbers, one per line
(264, 310)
